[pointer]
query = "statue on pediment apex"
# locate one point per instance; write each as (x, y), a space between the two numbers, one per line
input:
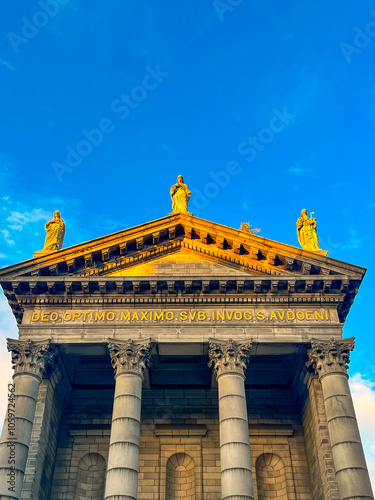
(55, 233)
(306, 232)
(180, 195)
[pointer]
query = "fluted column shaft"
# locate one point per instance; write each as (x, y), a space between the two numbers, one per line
(30, 361)
(129, 361)
(330, 361)
(229, 361)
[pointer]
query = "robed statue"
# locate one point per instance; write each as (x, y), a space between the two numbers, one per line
(306, 231)
(55, 233)
(180, 195)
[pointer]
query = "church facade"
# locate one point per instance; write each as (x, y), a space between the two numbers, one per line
(181, 359)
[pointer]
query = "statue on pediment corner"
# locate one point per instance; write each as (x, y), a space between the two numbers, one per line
(306, 232)
(180, 195)
(55, 235)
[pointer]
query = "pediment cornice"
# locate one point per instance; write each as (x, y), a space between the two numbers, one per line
(231, 247)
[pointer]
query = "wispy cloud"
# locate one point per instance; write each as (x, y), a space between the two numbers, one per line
(8, 65)
(6, 235)
(18, 220)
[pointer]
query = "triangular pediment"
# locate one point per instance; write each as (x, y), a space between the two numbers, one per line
(180, 243)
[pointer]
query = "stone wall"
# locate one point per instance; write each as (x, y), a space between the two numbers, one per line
(318, 446)
(53, 394)
(182, 426)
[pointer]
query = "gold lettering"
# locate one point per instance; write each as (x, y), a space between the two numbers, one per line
(229, 314)
(290, 315)
(45, 317)
(144, 316)
(201, 315)
(308, 315)
(326, 314)
(192, 315)
(260, 315)
(281, 315)
(135, 316)
(319, 314)
(76, 315)
(91, 316)
(238, 315)
(67, 316)
(273, 315)
(248, 317)
(99, 317)
(157, 316)
(213, 315)
(54, 316)
(169, 316)
(35, 316)
(125, 317)
(183, 315)
(220, 315)
(110, 316)
(300, 315)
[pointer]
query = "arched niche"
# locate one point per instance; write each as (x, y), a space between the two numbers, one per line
(271, 478)
(90, 481)
(180, 477)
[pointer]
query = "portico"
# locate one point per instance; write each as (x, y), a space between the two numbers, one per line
(186, 360)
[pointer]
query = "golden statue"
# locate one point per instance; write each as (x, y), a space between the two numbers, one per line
(180, 195)
(306, 232)
(55, 235)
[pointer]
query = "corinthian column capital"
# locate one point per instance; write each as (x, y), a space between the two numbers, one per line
(330, 356)
(130, 356)
(228, 356)
(36, 358)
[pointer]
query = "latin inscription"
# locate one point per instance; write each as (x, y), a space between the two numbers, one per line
(189, 316)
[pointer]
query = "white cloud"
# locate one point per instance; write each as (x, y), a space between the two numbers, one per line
(6, 234)
(363, 392)
(18, 220)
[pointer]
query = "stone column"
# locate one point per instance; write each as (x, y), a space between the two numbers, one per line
(31, 360)
(129, 361)
(230, 361)
(329, 359)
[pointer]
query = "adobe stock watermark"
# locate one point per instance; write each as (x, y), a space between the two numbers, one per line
(249, 150)
(11, 438)
(223, 6)
(121, 107)
(361, 40)
(30, 27)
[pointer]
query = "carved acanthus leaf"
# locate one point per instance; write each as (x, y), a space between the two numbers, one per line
(130, 356)
(330, 356)
(37, 358)
(229, 356)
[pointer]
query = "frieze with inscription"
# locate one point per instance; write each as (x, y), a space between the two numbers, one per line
(124, 316)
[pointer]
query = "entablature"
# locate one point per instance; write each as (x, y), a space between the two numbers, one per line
(181, 290)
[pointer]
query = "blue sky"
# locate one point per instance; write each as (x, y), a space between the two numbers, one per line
(278, 95)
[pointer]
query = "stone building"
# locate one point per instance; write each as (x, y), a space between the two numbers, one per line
(181, 359)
